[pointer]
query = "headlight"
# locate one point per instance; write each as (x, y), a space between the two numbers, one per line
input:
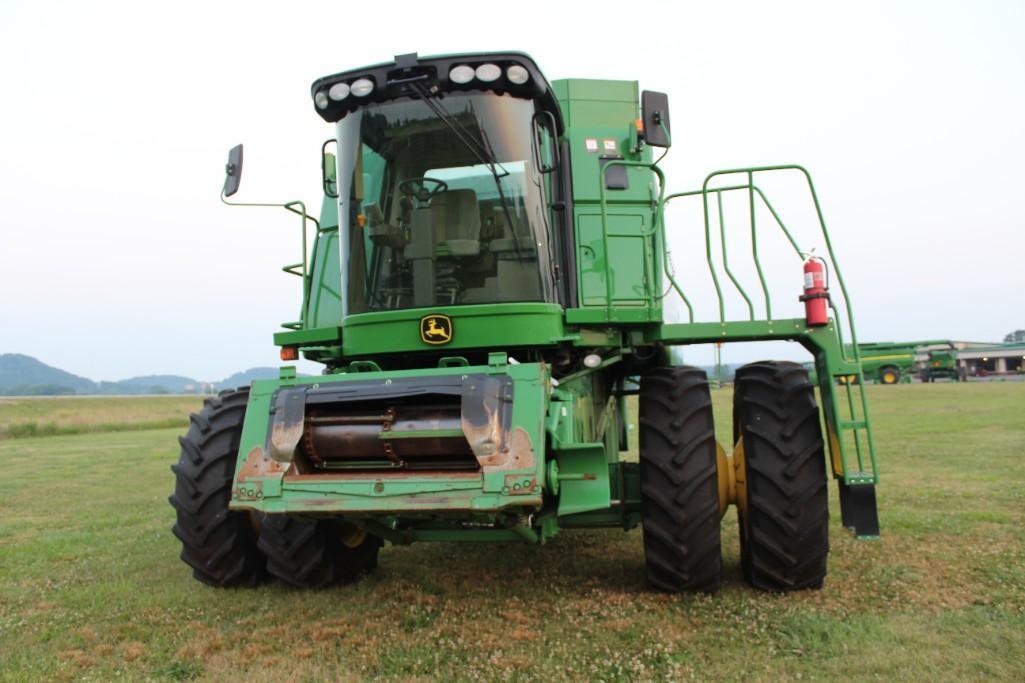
(320, 99)
(461, 74)
(488, 72)
(517, 74)
(338, 91)
(362, 87)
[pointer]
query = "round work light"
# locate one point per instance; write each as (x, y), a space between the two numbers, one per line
(461, 74)
(488, 72)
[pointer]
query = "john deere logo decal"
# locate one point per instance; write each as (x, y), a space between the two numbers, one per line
(436, 329)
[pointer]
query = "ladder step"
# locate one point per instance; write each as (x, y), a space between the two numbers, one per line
(860, 478)
(853, 424)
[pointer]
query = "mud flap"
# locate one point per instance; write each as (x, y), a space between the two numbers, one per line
(858, 509)
(583, 475)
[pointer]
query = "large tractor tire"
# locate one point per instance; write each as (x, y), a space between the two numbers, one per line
(784, 521)
(889, 375)
(308, 553)
(679, 481)
(219, 544)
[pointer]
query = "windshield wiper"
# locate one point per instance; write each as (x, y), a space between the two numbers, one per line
(481, 149)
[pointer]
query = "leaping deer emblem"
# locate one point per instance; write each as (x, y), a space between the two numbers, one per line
(436, 329)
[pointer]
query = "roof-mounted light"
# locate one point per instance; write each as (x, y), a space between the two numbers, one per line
(338, 91)
(461, 74)
(488, 72)
(517, 74)
(362, 87)
(320, 99)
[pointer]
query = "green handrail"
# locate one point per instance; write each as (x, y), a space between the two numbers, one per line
(755, 194)
(657, 229)
(726, 261)
(300, 211)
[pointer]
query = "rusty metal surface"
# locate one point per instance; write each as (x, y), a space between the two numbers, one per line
(257, 464)
(486, 414)
(287, 424)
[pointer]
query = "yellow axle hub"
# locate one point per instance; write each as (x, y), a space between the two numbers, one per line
(732, 478)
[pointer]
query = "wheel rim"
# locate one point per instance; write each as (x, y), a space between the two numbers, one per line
(352, 536)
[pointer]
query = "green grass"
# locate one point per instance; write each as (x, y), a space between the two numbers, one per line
(29, 417)
(91, 586)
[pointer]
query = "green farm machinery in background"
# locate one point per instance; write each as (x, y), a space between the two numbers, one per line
(888, 362)
(941, 363)
(484, 288)
(893, 362)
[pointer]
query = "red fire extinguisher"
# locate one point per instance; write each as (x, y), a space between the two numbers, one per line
(816, 292)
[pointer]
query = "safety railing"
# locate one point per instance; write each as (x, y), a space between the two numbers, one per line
(851, 420)
(855, 422)
(301, 269)
(754, 192)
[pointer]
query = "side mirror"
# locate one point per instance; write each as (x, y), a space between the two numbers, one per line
(655, 115)
(329, 169)
(233, 171)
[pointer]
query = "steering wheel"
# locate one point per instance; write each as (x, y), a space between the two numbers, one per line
(418, 187)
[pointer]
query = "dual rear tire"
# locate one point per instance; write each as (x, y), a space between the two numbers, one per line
(316, 553)
(679, 481)
(784, 525)
(784, 517)
(232, 548)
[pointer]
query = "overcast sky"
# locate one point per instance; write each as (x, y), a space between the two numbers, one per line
(117, 258)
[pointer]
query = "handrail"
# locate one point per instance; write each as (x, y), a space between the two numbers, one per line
(752, 190)
(301, 211)
(725, 259)
(848, 356)
(657, 230)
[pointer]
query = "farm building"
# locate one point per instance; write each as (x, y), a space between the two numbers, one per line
(999, 359)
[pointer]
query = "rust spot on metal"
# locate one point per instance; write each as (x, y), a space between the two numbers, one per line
(519, 454)
(257, 464)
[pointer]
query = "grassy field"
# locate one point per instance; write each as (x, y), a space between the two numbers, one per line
(50, 416)
(91, 586)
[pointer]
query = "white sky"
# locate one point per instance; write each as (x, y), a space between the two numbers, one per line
(117, 258)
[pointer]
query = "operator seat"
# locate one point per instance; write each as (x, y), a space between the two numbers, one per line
(456, 220)
(452, 219)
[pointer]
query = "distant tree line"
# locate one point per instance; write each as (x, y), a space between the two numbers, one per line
(37, 390)
(1016, 336)
(108, 388)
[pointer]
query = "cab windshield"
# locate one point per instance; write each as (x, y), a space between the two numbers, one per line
(442, 210)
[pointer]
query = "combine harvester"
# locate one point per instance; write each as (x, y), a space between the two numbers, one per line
(894, 362)
(484, 289)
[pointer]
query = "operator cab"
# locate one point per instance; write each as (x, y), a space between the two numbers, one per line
(444, 187)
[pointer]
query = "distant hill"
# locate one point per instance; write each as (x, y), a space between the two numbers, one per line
(242, 379)
(22, 375)
(20, 371)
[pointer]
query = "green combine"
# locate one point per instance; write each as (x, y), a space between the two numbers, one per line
(889, 362)
(484, 287)
(941, 363)
(894, 362)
